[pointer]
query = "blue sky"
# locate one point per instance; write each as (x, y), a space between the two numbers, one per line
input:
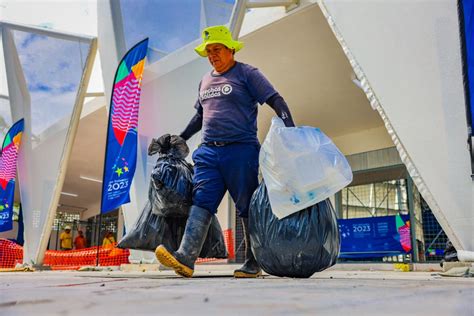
(170, 24)
(52, 77)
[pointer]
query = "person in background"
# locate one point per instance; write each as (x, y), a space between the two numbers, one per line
(109, 240)
(66, 238)
(80, 241)
(227, 159)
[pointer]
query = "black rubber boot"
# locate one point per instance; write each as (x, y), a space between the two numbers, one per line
(250, 269)
(182, 260)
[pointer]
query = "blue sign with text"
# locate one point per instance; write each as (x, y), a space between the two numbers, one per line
(374, 236)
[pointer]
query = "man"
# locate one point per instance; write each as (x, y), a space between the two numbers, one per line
(80, 240)
(226, 111)
(66, 238)
(109, 240)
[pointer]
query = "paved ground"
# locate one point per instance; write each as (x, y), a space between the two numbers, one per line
(214, 291)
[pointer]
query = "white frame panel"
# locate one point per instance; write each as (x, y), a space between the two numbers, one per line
(20, 103)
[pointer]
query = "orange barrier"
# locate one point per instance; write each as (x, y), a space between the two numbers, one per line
(229, 244)
(108, 256)
(12, 253)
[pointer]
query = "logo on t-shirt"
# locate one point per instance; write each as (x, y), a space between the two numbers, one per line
(226, 89)
(216, 91)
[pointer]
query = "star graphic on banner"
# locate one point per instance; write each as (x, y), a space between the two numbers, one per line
(125, 169)
(119, 171)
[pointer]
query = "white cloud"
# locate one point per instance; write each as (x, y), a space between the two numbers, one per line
(53, 70)
(48, 109)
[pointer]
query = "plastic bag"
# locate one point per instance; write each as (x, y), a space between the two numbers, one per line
(171, 187)
(301, 166)
(296, 246)
(450, 253)
(151, 230)
(169, 144)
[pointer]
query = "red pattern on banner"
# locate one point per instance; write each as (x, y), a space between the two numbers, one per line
(12, 254)
(8, 164)
(126, 99)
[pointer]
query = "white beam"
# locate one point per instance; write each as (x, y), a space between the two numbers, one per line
(46, 32)
(271, 3)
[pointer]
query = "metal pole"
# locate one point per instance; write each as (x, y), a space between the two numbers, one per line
(74, 228)
(57, 235)
(411, 209)
(373, 187)
(347, 203)
(338, 201)
(98, 239)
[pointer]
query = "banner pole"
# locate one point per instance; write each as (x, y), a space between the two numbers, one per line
(98, 240)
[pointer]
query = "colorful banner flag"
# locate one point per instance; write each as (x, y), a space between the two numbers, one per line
(8, 158)
(373, 237)
(121, 147)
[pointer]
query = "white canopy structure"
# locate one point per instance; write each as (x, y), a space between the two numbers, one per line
(408, 57)
(373, 75)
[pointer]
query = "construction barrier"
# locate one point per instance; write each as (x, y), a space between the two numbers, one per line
(229, 244)
(12, 254)
(108, 256)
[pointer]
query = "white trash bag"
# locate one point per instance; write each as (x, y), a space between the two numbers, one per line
(301, 166)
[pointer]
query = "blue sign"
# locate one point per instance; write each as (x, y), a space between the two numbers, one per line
(374, 236)
(121, 147)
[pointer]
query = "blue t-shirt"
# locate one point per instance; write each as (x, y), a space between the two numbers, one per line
(228, 103)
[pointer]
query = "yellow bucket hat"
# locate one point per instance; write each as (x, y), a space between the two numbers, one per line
(217, 34)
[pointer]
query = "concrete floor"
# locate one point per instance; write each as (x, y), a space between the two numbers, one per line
(214, 291)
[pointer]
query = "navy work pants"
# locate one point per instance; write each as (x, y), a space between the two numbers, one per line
(232, 167)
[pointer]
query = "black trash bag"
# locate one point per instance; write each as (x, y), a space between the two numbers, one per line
(170, 145)
(171, 187)
(151, 230)
(296, 246)
(450, 253)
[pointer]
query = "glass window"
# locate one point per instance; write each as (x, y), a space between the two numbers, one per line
(375, 199)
